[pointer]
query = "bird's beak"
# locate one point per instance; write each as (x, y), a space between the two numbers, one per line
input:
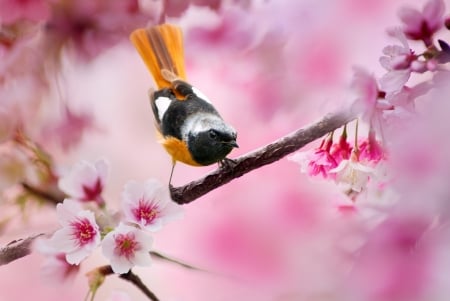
(233, 144)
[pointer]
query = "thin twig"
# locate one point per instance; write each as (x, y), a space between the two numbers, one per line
(53, 197)
(160, 256)
(260, 157)
(133, 278)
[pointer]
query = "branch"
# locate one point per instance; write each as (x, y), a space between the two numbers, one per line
(260, 157)
(131, 277)
(54, 197)
(16, 249)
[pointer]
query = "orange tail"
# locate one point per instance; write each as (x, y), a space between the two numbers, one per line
(161, 48)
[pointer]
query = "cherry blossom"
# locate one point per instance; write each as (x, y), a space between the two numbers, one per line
(85, 181)
(79, 234)
(341, 150)
(89, 27)
(421, 25)
(71, 127)
(127, 247)
(55, 267)
(397, 60)
(13, 10)
(370, 101)
(370, 149)
(149, 205)
(318, 161)
(352, 174)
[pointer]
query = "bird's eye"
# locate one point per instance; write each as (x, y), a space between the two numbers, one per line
(212, 134)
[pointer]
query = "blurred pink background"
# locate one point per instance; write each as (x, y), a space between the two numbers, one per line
(276, 232)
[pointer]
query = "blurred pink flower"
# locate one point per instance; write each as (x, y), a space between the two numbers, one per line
(395, 262)
(149, 205)
(370, 101)
(421, 25)
(352, 174)
(55, 267)
(370, 149)
(318, 161)
(127, 247)
(23, 10)
(235, 31)
(79, 234)
(397, 60)
(85, 181)
(89, 27)
(69, 130)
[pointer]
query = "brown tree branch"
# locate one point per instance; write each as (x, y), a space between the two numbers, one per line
(191, 191)
(16, 249)
(260, 157)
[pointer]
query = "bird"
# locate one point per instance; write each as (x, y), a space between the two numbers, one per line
(187, 124)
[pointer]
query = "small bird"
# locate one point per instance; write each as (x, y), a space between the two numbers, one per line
(190, 128)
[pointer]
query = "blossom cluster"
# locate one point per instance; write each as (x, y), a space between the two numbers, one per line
(124, 237)
(385, 104)
(36, 37)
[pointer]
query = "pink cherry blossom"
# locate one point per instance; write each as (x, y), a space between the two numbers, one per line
(341, 150)
(85, 181)
(79, 234)
(421, 25)
(352, 174)
(127, 247)
(55, 267)
(89, 27)
(397, 60)
(69, 130)
(370, 101)
(370, 149)
(149, 205)
(234, 31)
(396, 261)
(318, 161)
(27, 10)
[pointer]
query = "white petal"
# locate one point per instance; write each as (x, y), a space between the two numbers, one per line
(340, 167)
(102, 167)
(108, 245)
(67, 211)
(142, 259)
(89, 215)
(132, 192)
(393, 81)
(144, 239)
(62, 240)
(77, 256)
(120, 265)
(156, 225)
(172, 211)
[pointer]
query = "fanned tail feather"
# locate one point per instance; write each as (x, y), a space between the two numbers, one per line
(161, 48)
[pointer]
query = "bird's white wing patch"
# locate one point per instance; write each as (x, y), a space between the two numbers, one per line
(200, 94)
(162, 104)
